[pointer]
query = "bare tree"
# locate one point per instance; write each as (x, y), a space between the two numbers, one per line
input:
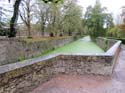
(26, 14)
(14, 18)
(42, 15)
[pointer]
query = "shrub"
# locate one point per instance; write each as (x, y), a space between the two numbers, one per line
(4, 31)
(122, 39)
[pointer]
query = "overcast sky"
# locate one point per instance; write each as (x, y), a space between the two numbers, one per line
(112, 5)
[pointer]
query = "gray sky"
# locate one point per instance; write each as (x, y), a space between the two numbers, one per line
(112, 5)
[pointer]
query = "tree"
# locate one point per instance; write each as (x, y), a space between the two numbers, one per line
(72, 17)
(4, 11)
(1, 14)
(114, 32)
(96, 18)
(53, 1)
(14, 18)
(122, 25)
(49, 17)
(26, 14)
(55, 18)
(123, 14)
(43, 15)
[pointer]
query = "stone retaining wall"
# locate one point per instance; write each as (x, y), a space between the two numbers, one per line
(104, 43)
(13, 50)
(22, 77)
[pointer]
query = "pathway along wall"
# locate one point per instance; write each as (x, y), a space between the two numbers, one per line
(13, 50)
(23, 76)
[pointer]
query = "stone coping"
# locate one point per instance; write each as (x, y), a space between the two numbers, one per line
(17, 65)
(114, 48)
(13, 66)
(107, 38)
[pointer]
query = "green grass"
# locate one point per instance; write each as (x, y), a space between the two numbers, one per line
(79, 46)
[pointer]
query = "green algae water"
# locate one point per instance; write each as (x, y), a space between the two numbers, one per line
(83, 45)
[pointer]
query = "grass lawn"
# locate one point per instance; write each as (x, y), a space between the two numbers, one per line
(79, 46)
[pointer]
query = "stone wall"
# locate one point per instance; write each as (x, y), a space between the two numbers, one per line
(13, 50)
(24, 76)
(104, 43)
(80, 65)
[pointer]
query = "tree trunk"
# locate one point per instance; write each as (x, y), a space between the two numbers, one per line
(29, 31)
(53, 24)
(43, 24)
(28, 19)
(43, 29)
(69, 32)
(14, 19)
(29, 26)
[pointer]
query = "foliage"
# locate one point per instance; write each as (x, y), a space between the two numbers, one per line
(122, 39)
(59, 19)
(72, 18)
(54, 1)
(123, 14)
(42, 14)
(4, 29)
(14, 18)
(122, 25)
(113, 32)
(4, 32)
(96, 19)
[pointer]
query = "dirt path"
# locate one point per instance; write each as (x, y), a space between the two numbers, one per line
(88, 83)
